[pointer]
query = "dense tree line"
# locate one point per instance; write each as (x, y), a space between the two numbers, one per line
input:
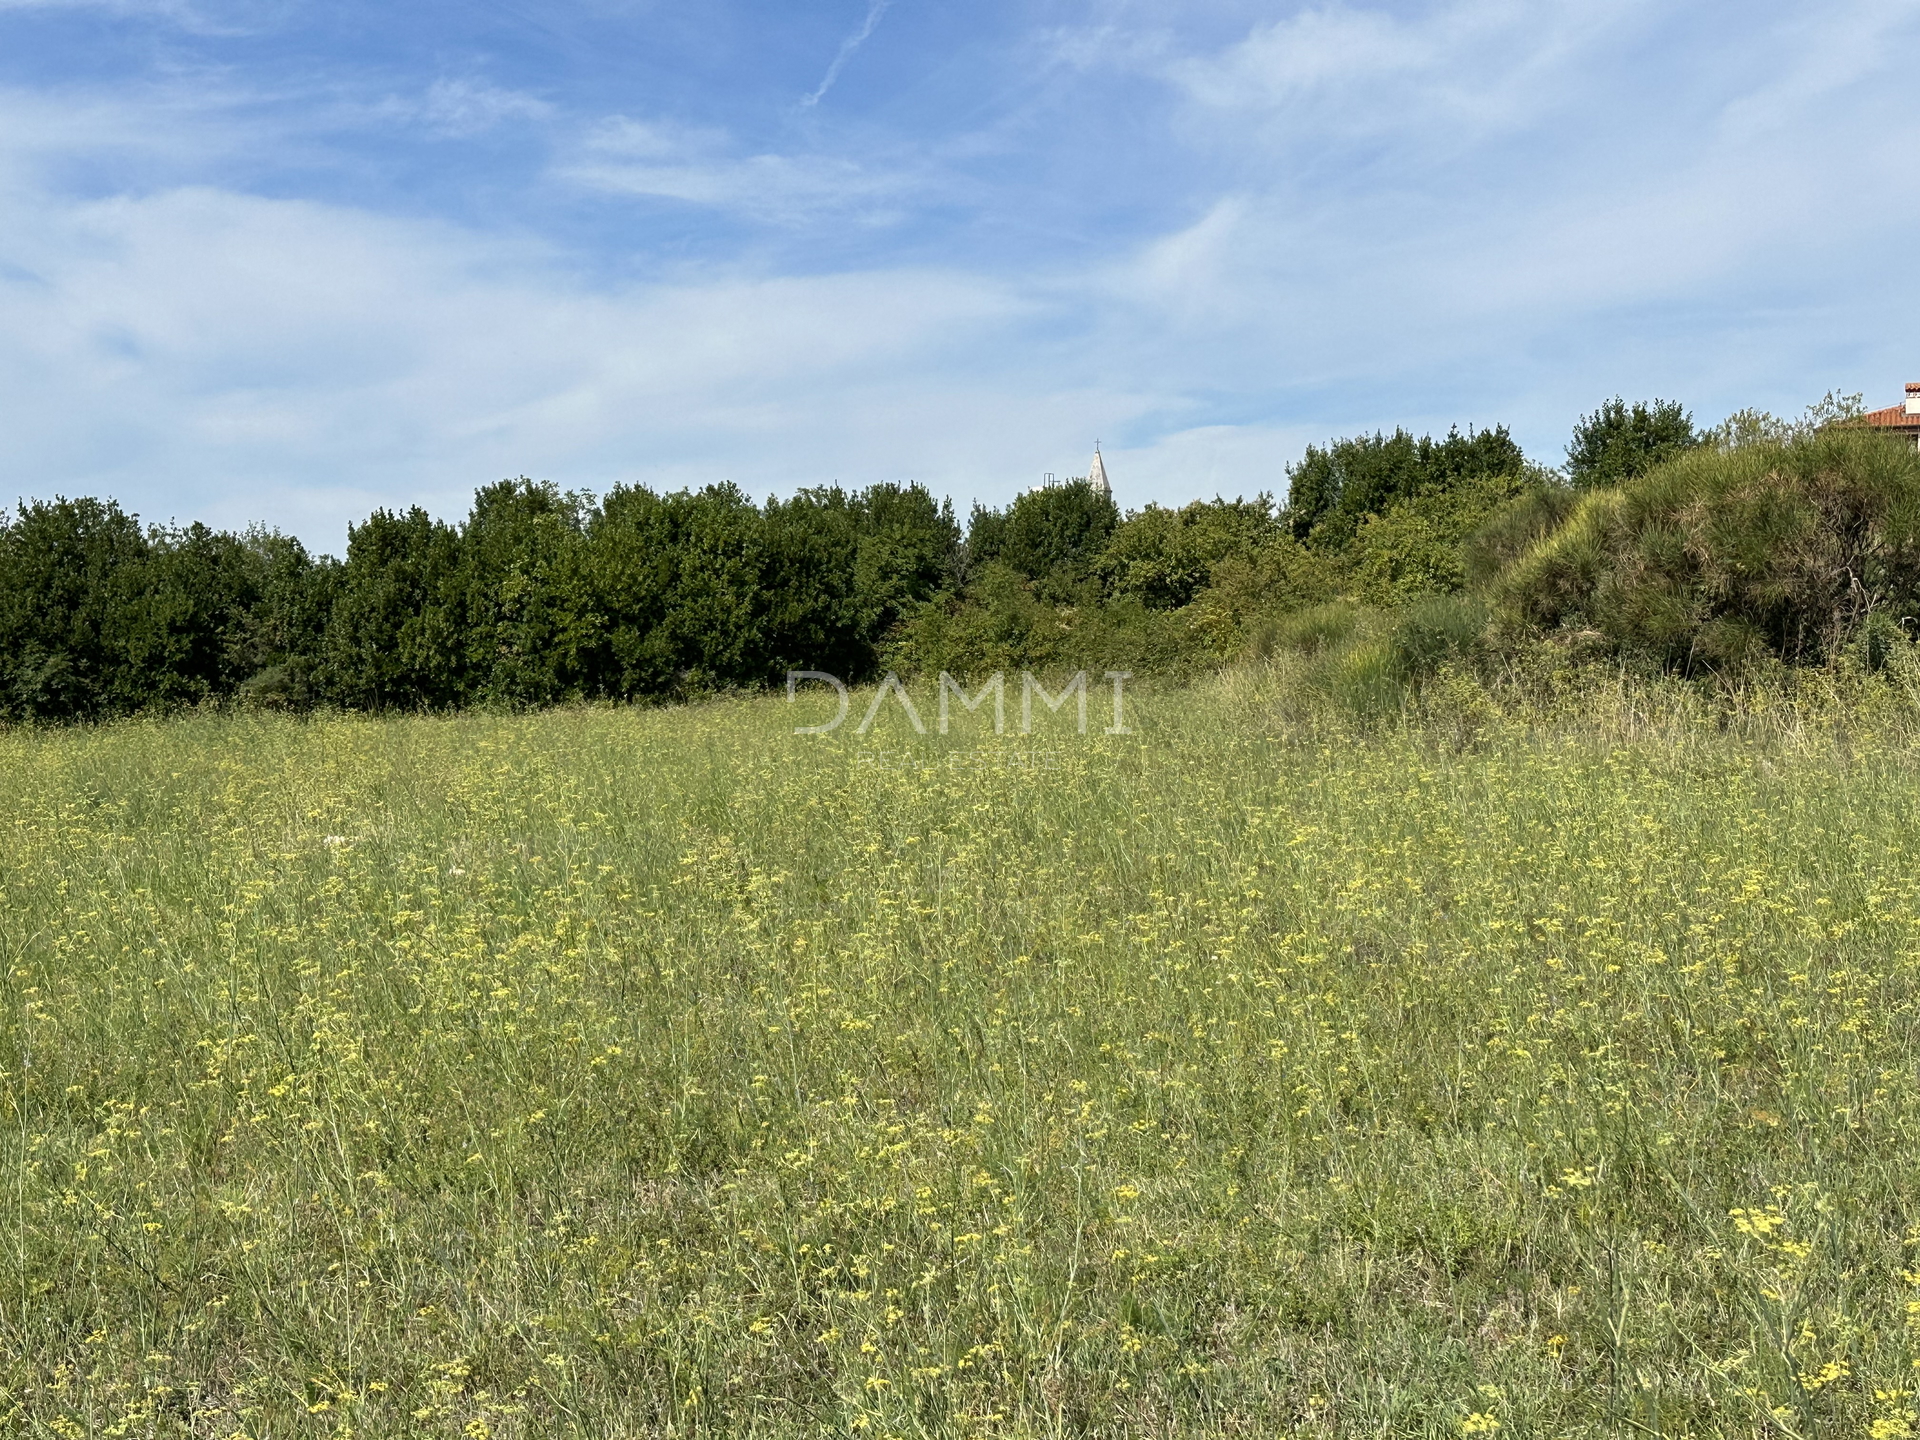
(1061, 578)
(1691, 549)
(538, 597)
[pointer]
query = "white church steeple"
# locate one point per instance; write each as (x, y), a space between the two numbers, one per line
(1097, 473)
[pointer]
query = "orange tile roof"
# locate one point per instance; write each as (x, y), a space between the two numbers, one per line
(1894, 417)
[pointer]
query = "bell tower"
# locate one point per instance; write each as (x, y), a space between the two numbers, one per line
(1097, 473)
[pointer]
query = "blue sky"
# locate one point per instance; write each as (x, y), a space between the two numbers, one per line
(268, 260)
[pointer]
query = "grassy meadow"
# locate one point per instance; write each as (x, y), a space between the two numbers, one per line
(662, 1072)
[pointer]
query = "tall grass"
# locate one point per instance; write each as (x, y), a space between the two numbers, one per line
(663, 1072)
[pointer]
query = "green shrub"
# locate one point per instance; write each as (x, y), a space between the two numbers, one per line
(1418, 547)
(1724, 555)
(1166, 557)
(1877, 641)
(1246, 593)
(1332, 491)
(1001, 623)
(1332, 626)
(1512, 530)
(1433, 631)
(1362, 679)
(1050, 537)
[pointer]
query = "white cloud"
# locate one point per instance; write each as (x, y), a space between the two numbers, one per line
(229, 352)
(147, 130)
(1391, 220)
(860, 36)
(469, 107)
(697, 166)
(156, 9)
(1210, 460)
(1409, 186)
(1440, 77)
(193, 17)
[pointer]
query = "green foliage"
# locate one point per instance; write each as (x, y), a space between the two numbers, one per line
(1332, 490)
(1512, 530)
(525, 632)
(64, 572)
(1433, 631)
(1773, 543)
(908, 548)
(1051, 537)
(1415, 547)
(1373, 662)
(1757, 427)
(395, 637)
(1616, 443)
(1246, 590)
(1001, 623)
(1169, 590)
(674, 583)
(694, 591)
(1317, 629)
(1167, 557)
(538, 597)
(1226, 568)
(1724, 556)
(98, 618)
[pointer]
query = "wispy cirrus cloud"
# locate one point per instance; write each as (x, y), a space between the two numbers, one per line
(702, 166)
(199, 18)
(202, 353)
(153, 9)
(468, 106)
(875, 9)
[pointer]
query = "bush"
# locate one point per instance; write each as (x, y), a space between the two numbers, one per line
(1245, 592)
(1167, 557)
(1512, 530)
(1002, 624)
(1049, 537)
(98, 618)
(1722, 556)
(1431, 633)
(1332, 626)
(1419, 546)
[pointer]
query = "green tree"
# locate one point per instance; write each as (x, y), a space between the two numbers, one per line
(285, 630)
(1331, 490)
(1050, 537)
(396, 636)
(182, 624)
(809, 617)
(908, 550)
(1166, 557)
(527, 633)
(1618, 442)
(675, 580)
(67, 569)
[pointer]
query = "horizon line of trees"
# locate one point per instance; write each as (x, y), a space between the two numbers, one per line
(540, 596)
